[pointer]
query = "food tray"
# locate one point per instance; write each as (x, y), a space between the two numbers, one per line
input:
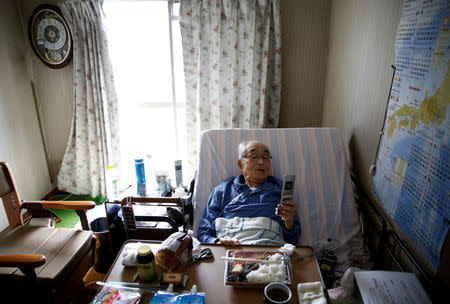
(241, 281)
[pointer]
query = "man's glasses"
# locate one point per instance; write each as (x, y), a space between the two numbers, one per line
(256, 156)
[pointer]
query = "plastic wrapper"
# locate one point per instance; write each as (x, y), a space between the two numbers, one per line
(241, 273)
(116, 296)
(178, 298)
(174, 253)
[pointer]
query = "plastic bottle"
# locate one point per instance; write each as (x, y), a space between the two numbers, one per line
(140, 177)
(179, 190)
(112, 183)
(149, 173)
(145, 261)
(178, 173)
(161, 181)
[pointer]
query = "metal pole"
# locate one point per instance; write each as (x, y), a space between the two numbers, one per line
(174, 97)
(374, 165)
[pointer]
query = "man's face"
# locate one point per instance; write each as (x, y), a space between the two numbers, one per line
(255, 164)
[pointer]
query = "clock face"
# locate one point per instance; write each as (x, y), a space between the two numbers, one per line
(50, 36)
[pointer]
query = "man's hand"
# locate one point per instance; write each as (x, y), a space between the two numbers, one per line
(287, 210)
(229, 242)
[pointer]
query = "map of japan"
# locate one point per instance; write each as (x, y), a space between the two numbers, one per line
(432, 110)
(412, 177)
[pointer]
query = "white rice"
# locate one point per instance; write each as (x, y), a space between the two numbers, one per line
(268, 273)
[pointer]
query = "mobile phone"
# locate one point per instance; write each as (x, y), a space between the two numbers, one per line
(287, 190)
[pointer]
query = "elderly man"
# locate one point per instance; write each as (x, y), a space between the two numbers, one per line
(242, 209)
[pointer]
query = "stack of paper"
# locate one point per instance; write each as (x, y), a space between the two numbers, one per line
(390, 287)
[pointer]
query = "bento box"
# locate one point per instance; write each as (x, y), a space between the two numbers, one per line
(256, 268)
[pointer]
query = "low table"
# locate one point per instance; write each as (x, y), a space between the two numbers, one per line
(208, 275)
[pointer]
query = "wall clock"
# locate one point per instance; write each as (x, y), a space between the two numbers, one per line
(50, 36)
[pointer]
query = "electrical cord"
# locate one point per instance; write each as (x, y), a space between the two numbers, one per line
(336, 245)
(61, 199)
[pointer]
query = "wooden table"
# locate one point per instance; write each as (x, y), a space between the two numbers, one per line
(209, 274)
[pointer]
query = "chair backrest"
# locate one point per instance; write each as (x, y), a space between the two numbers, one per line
(10, 196)
(323, 190)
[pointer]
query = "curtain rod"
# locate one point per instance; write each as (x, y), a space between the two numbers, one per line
(175, 1)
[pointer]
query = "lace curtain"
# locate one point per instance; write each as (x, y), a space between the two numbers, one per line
(232, 64)
(93, 140)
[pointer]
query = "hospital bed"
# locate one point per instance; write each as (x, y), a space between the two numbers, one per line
(330, 216)
(323, 189)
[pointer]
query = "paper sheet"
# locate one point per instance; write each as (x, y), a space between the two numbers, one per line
(390, 287)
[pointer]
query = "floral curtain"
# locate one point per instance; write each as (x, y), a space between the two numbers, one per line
(93, 140)
(232, 64)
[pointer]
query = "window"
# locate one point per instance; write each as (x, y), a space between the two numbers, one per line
(146, 54)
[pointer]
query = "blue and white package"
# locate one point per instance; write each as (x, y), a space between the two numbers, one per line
(178, 298)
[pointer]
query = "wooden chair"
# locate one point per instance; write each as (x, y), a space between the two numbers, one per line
(41, 264)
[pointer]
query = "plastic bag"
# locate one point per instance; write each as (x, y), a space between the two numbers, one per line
(178, 298)
(116, 296)
(175, 253)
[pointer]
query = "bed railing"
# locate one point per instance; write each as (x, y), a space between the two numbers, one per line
(389, 251)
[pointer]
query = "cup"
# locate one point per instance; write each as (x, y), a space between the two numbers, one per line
(277, 293)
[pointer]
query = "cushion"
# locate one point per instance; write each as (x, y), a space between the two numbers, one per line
(62, 248)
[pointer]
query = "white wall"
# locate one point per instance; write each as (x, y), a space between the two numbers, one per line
(362, 40)
(359, 73)
(20, 141)
(54, 90)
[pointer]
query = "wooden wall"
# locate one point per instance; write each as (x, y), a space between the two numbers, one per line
(305, 28)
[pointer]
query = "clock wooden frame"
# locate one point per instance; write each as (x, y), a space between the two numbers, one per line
(32, 39)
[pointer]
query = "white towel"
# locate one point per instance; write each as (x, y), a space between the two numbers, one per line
(311, 293)
(250, 230)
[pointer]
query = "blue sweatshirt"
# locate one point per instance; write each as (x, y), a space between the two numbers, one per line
(233, 198)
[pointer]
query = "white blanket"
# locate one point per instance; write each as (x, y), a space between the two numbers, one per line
(250, 230)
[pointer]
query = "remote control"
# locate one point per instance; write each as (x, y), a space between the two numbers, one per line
(128, 217)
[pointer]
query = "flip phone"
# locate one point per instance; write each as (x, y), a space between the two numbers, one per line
(287, 190)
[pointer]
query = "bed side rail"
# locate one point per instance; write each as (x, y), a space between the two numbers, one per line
(390, 252)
